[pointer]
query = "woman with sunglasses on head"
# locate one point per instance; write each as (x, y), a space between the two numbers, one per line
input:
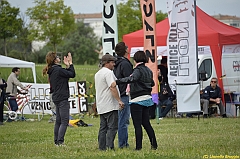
(58, 78)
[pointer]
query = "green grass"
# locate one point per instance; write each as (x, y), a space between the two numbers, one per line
(183, 138)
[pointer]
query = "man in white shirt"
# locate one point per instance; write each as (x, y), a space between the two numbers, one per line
(108, 103)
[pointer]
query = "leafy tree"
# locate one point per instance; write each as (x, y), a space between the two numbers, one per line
(10, 23)
(51, 21)
(23, 37)
(130, 17)
(81, 42)
(39, 56)
(15, 48)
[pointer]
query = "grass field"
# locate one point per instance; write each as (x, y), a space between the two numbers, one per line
(183, 138)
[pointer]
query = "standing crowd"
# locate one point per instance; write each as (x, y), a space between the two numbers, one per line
(122, 90)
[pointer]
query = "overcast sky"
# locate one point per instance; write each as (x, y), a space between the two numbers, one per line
(211, 7)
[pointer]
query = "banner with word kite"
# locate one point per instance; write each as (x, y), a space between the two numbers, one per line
(150, 47)
(181, 42)
(182, 54)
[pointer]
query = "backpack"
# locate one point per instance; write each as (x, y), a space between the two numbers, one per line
(77, 123)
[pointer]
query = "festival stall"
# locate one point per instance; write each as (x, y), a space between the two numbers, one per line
(210, 31)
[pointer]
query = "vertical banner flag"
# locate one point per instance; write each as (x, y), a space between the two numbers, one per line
(181, 42)
(83, 100)
(110, 29)
(150, 48)
(182, 54)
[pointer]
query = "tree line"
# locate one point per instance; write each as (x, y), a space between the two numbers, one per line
(54, 23)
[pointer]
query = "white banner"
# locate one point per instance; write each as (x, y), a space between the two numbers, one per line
(110, 27)
(40, 93)
(190, 99)
(181, 42)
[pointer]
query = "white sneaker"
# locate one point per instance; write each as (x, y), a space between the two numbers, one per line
(160, 118)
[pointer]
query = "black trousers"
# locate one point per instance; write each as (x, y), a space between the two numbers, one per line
(1, 111)
(140, 117)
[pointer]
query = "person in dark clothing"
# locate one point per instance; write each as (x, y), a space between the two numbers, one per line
(3, 86)
(60, 92)
(141, 83)
(213, 94)
(165, 94)
(123, 68)
(164, 70)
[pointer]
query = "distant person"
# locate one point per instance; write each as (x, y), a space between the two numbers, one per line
(108, 103)
(12, 83)
(100, 54)
(59, 78)
(123, 68)
(165, 95)
(141, 83)
(213, 94)
(164, 70)
(3, 86)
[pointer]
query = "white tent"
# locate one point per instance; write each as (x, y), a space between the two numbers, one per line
(11, 62)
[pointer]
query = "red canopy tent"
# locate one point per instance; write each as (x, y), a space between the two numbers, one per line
(210, 32)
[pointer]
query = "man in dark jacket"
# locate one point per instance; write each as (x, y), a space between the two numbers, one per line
(59, 82)
(123, 68)
(164, 70)
(3, 86)
(212, 94)
(164, 96)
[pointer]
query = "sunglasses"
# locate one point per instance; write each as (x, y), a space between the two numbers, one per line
(214, 81)
(56, 58)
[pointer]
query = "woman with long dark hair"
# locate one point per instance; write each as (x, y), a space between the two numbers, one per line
(58, 78)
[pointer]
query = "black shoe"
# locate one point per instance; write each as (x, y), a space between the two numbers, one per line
(111, 149)
(137, 149)
(205, 116)
(82, 123)
(125, 146)
(1, 123)
(153, 148)
(224, 116)
(60, 144)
